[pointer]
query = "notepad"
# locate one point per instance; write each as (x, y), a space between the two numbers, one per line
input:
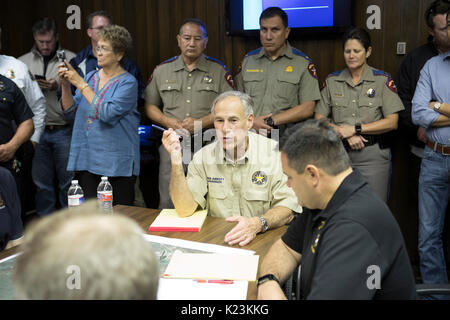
(168, 220)
(212, 266)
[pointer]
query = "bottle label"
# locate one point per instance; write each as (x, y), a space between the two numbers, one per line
(75, 200)
(105, 196)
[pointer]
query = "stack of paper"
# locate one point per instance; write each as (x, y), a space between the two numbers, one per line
(212, 266)
(189, 289)
(168, 220)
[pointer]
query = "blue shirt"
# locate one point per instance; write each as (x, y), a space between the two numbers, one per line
(85, 62)
(105, 138)
(433, 85)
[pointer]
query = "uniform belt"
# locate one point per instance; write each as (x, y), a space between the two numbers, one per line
(56, 127)
(444, 150)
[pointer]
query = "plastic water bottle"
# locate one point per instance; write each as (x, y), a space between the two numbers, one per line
(75, 195)
(105, 196)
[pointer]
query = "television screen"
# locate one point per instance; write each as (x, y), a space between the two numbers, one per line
(243, 15)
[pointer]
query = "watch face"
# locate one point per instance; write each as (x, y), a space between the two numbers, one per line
(437, 106)
(269, 122)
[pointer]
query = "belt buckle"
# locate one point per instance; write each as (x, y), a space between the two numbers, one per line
(443, 152)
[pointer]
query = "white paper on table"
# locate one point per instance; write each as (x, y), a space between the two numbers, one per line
(189, 289)
(211, 266)
(213, 248)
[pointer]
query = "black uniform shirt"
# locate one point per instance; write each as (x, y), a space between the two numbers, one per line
(350, 244)
(14, 109)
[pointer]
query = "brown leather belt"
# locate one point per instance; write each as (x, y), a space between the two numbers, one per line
(444, 150)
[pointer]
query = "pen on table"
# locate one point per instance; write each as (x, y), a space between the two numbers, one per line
(162, 130)
(216, 281)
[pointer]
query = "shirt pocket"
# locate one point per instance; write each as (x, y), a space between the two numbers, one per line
(205, 93)
(287, 91)
(341, 110)
(257, 201)
(219, 206)
(369, 109)
(171, 95)
(254, 84)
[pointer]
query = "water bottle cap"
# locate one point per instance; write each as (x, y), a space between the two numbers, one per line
(74, 181)
(104, 178)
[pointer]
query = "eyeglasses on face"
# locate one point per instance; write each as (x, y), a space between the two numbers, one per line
(102, 49)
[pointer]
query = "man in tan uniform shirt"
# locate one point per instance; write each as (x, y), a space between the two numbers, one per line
(239, 177)
(180, 93)
(281, 80)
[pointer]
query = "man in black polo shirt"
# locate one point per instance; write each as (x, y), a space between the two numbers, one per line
(16, 128)
(349, 245)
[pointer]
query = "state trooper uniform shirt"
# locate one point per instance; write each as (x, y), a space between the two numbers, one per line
(370, 100)
(278, 85)
(249, 187)
(181, 93)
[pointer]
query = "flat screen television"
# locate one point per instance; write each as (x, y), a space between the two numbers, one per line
(304, 15)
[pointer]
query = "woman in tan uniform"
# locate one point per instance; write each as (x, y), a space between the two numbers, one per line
(362, 105)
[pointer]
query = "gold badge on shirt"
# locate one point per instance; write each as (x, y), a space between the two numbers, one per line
(371, 93)
(289, 69)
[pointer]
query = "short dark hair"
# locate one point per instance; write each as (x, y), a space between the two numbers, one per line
(45, 25)
(101, 13)
(435, 8)
(273, 12)
(356, 33)
(314, 142)
(196, 21)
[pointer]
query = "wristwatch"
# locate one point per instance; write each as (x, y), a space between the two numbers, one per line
(358, 129)
(267, 277)
(269, 121)
(437, 106)
(264, 225)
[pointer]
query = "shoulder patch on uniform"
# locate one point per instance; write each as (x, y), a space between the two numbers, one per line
(389, 82)
(391, 85)
(162, 63)
(311, 67)
(312, 70)
(228, 77)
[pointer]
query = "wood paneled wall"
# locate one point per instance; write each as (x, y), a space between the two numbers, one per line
(154, 25)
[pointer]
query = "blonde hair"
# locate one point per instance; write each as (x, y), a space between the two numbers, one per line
(114, 260)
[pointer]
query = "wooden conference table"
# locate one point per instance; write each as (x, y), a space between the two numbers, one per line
(213, 232)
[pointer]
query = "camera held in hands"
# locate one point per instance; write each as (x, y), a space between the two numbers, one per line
(61, 54)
